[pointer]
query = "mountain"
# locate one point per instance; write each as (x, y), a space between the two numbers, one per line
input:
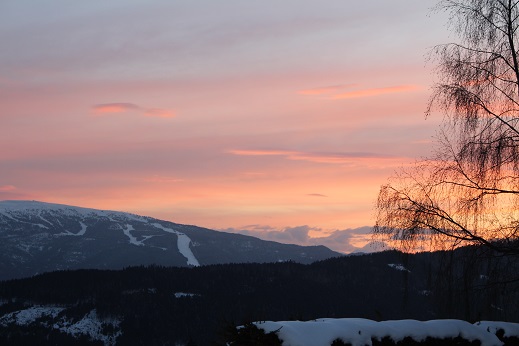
(37, 237)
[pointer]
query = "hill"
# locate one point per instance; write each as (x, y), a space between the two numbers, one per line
(201, 305)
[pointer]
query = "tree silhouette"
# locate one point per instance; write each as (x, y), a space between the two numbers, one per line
(468, 191)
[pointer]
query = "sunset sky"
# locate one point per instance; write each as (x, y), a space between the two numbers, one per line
(279, 119)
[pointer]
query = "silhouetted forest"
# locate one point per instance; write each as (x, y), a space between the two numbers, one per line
(469, 283)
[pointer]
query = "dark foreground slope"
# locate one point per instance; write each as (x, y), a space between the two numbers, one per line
(164, 306)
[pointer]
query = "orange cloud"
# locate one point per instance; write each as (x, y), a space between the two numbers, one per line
(122, 107)
(115, 108)
(374, 92)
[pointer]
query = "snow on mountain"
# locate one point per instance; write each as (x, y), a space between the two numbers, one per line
(359, 332)
(398, 266)
(36, 237)
(29, 315)
(92, 326)
(183, 243)
(20, 207)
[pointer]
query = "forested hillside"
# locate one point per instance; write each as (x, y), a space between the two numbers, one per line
(159, 305)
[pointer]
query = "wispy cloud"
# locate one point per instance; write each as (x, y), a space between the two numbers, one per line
(316, 195)
(160, 113)
(332, 89)
(115, 108)
(6, 188)
(163, 179)
(374, 92)
(335, 92)
(327, 158)
(261, 152)
(124, 107)
(12, 192)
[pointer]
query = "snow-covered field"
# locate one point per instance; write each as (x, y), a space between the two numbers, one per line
(359, 332)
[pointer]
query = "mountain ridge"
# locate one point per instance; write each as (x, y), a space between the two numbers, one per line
(38, 236)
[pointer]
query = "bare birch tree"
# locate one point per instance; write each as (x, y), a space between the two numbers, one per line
(468, 191)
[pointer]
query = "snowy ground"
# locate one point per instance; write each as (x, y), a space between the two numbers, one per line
(90, 324)
(359, 332)
(26, 316)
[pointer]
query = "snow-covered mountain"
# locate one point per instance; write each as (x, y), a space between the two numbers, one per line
(36, 237)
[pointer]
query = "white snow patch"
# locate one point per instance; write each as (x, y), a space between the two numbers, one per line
(92, 326)
(184, 295)
(398, 266)
(358, 332)
(17, 220)
(133, 240)
(182, 244)
(42, 218)
(78, 234)
(26, 316)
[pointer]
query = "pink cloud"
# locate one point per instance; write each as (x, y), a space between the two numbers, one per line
(123, 107)
(261, 152)
(159, 113)
(302, 156)
(163, 179)
(374, 92)
(334, 92)
(368, 159)
(6, 188)
(326, 90)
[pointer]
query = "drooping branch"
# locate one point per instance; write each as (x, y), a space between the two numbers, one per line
(469, 191)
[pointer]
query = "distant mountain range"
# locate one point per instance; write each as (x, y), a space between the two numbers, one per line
(38, 237)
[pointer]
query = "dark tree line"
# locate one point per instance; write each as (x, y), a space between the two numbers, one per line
(228, 295)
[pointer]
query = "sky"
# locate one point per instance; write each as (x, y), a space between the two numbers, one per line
(279, 119)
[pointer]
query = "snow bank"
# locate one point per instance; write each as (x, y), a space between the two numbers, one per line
(510, 329)
(359, 332)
